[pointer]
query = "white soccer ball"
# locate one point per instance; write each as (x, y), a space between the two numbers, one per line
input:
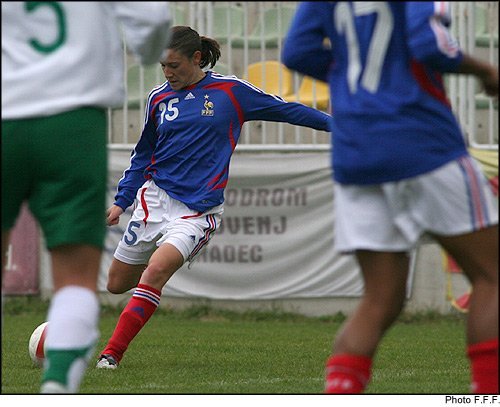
(36, 346)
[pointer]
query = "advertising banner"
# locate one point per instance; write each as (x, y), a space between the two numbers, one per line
(276, 237)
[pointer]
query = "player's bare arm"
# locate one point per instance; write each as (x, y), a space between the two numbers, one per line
(485, 72)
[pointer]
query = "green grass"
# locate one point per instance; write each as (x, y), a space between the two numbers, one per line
(205, 351)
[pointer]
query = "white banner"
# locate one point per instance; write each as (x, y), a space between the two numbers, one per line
(276, 237)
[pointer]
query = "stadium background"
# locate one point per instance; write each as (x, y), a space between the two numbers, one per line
(275, 249)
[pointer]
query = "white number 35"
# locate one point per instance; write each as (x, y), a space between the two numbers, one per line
(169, 112)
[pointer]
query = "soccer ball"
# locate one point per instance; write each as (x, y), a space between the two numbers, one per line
(36, 346)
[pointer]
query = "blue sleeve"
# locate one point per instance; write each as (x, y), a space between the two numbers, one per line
(429, 39)
(258, 105)
(141, 157)
(303, 48)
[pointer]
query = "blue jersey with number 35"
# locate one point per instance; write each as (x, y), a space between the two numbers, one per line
(189, 137)
(391, 116)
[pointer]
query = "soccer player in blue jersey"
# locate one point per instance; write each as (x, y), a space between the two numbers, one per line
(401, 168)
(178, 172)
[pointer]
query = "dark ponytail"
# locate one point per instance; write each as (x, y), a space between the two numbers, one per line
(187, 41)
(210, 52)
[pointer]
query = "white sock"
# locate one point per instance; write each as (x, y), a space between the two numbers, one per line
(73, 319)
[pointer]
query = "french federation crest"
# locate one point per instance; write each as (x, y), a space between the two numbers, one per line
(208, 107)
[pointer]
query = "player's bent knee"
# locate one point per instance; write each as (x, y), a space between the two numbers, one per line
(120, 283)
(114, 290)
(123, 277)
(117, 287)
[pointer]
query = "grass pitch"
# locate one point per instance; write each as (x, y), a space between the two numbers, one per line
(205, 351)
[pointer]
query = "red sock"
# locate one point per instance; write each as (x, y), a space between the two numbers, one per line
(347, 374)
(137, 312)
(483, 358)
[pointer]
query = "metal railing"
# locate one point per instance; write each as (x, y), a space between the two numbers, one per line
(246, 37)
(475, 25)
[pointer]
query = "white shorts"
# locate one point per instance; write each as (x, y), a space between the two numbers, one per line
(159, 219)
(451, 200)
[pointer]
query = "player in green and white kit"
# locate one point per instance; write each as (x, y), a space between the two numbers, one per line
(62, 66)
